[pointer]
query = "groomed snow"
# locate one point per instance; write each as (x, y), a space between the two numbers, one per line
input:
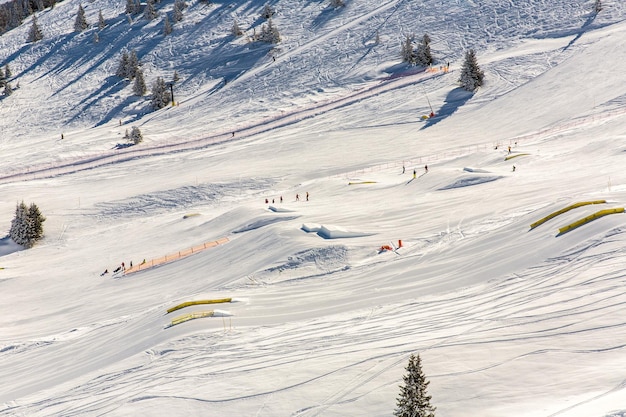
(508, 321)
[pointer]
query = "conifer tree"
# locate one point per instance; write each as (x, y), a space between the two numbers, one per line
(80, 23)
(179, 6)
(407, 49)
(3, 79)
(269, 33)
(176, 77)
(135, 135)
(8, 90)
(133, 65)
(413, 400)
(34, 34)
(96, 37)
(236, 30)
(161, 95)
(101, 22)
(597, 6)
(122, 68)
(268, 12)
(7, 71)
(423, 55)
(27, 226)
(149, 12)
(167, 27)
(337, 3)
(471, 76)
(139, 87)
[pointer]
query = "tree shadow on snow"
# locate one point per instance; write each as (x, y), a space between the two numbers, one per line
(454, 100)
(582, 31)
(7, 246)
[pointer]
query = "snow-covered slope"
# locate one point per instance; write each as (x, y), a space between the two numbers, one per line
(508, 320)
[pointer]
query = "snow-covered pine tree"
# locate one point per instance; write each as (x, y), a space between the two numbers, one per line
(135, 135)
(179, 6)
(101, 22)
(133, 64)
(149, 12)
(423, 55)
(176, 77)
(80, 23)
(3, 78)
(96, 37)
(17, 232)
(122, 68)
(407, 49)
(161, 95)
(34, 225)
(413, 400)
(268, 12)
(471, 75)
(236, 30)
(139, 87)
(269, 33)
(8, 90)
(34, 34)
(377, 38)
(167, 26)
(7, 71)
(597, 6)
(337, 3)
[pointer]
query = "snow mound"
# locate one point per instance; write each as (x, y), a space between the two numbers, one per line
(468, 181)
(262, 222)
(468, 169)
(280, 209)
(336, 232)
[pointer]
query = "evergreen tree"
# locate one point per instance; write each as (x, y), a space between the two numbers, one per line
(34, 225)
(7, 71)
(167, 27)
(236, 30)
(179, 6)
(135, 135)
(101, 22)
(80, 23)
(407, 50)
(8, 90)
(3, 79)
(149, 12)
(161, 95)
(122, 68)
(471, 75)
(34, 34)
(27, 226)
(268, 12)
(597, 6)
(423, 55)
(96, 37)
(176, 77)
(133, 64)
(139, 87)
(337, 3)
(269, 33)
(413, 400)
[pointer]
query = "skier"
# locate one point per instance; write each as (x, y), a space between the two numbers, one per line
(281, 198)
(513, 168)
(414, 174)
(297, 197)
(106, 271)
(426, 168)
(307, 196)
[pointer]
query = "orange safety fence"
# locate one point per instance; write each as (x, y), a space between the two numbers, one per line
(175, 256)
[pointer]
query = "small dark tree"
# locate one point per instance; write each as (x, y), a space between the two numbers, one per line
(167, 27)
(8, 90)
(139, 87)
(34, 34)
(236, 30)
(407, 50)
(413, 400)
(149, 12)
(135, 135)
(7, 71)
(268, 12)
(80, 23)
(269, 33)
(161, 95)
(597, 6)
(122, 67)
(101, 22)
(179, 6)
(337, 3)
(471, 76)
(423, 55)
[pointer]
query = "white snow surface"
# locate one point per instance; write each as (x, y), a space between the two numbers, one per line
(508, 320)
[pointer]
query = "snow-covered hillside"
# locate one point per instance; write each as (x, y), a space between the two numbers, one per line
(508, 319)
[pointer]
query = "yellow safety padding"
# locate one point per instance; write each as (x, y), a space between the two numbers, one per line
(563, 210)
(590, 218)
(191, 316)
(186, 216)
(194, 303)
(515, 156)
(362, 182)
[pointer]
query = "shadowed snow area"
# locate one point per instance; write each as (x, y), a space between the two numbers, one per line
(301, 227)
